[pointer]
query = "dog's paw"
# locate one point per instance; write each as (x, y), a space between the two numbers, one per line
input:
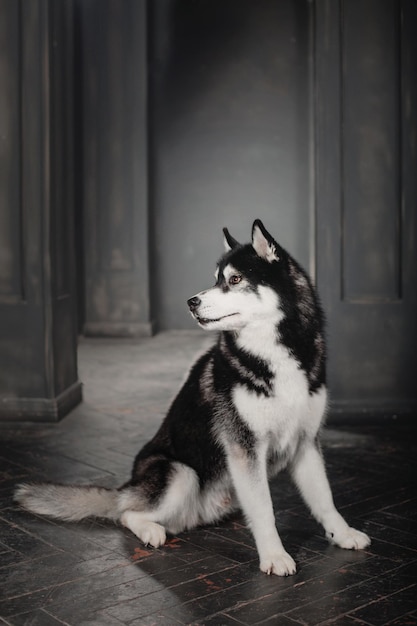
(349, 539)
(152, 534)
(280, 564)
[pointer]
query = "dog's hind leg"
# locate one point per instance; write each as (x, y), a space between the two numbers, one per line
(310, 477)
(150, 533)
(150, 515)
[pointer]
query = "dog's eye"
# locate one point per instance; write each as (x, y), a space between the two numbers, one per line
(235, 279)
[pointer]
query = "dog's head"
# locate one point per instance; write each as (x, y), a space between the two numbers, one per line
(255, 283)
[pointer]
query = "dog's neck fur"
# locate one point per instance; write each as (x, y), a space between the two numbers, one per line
(259, 339)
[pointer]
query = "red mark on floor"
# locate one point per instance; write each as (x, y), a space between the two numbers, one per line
(209, 583)
(140, 553)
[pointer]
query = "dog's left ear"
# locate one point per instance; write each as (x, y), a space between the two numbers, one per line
(229, 241)
(263, 243)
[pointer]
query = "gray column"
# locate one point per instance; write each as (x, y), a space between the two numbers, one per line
(38, 368)
(113, 39)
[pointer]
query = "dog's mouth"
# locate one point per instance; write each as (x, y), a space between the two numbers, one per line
(203, 321)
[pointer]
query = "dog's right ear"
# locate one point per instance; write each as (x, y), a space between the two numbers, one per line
(229, 241)
(265, 246)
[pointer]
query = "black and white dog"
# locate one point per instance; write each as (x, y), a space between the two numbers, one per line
(251, 405)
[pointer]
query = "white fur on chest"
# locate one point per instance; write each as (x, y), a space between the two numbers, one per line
(290, 410)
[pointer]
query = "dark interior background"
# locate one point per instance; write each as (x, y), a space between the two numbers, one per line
(131, 132)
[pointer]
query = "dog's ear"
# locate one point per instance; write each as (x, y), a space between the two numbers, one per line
(229, 241)
(263, 243)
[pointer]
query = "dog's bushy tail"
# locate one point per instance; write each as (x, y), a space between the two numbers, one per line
(67, 502)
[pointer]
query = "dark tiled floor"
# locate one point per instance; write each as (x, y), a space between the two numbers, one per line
(98, 575)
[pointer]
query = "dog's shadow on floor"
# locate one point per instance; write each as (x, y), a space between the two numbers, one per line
(200, 571)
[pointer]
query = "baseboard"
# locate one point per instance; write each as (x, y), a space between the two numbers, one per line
(118, 329)
(41, 409)
(372, 411)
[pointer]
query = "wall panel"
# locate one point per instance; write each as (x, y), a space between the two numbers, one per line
(366, 120)
(370, 150)
(11, 249)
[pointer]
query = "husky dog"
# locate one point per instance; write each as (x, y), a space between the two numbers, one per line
(252, 405)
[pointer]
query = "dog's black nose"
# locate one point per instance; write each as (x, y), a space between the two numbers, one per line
(193, 303)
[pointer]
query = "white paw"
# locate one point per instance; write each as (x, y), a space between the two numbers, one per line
(280, 564)
(152, 534)
(349, 539)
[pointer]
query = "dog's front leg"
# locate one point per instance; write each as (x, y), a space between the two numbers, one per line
(310, 476)
(249, 475)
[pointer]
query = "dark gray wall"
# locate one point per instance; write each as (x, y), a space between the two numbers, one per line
(230, 137)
